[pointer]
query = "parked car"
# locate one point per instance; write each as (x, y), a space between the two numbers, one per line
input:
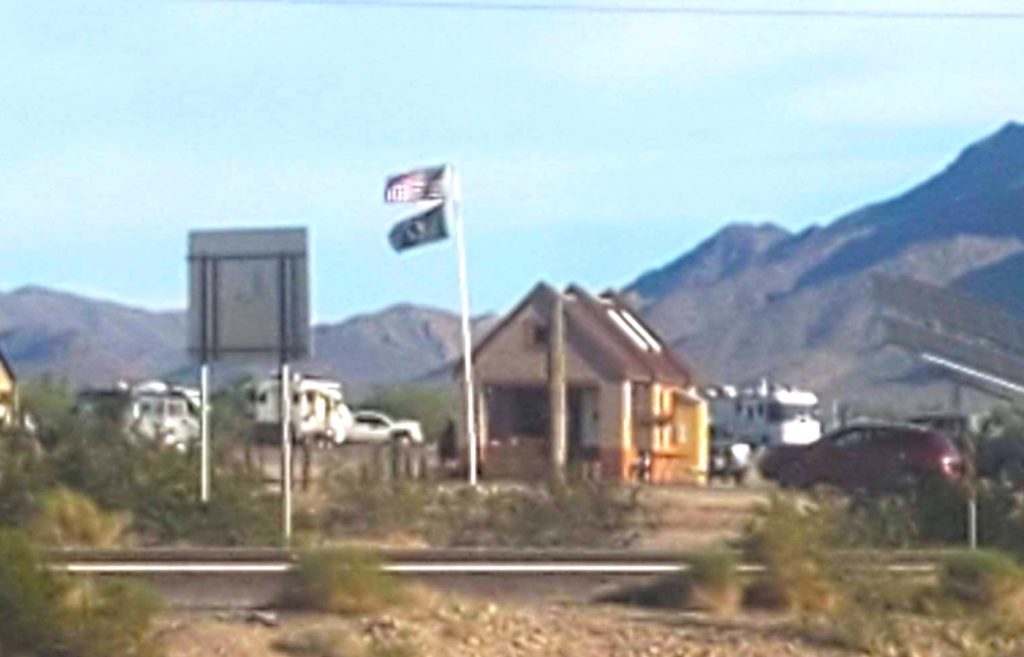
(869, 456)
(999, 458)
(373, 426)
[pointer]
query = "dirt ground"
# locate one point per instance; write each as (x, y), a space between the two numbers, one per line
(459, 627)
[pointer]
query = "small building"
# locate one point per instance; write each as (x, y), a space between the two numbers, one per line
(633, 410)
(8, 394)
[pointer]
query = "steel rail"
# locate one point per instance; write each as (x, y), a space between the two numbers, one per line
(441, 562)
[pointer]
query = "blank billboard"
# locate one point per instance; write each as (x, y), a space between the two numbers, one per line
(248, 294)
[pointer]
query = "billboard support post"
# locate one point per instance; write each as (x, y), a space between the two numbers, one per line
(286, 453)
(204, 431)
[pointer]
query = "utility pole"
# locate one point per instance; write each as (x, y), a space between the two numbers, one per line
(557, 385)
(971, 453)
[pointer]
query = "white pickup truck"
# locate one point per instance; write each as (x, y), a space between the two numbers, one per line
(373, 426)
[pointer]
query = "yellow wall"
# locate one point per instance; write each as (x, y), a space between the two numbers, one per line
(680, 438)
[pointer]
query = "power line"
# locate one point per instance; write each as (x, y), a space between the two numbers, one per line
(650, 9)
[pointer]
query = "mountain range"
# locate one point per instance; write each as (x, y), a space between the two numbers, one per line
(751, 301)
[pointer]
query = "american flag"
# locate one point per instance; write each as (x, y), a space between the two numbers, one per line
(418, 185)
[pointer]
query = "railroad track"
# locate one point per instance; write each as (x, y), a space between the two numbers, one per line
(256, 578)
(433, 561)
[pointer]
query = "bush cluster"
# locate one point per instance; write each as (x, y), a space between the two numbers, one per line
(44, 615)
(580, 513)
(348, 581)
(979, 596)
(159, 488)
(153, 491)
(793, 540)
(710, 583)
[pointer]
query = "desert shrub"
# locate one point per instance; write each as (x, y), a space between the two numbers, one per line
(711, 583)
(30, 618)
(348, 582)
(793, 541)
(45, 615)
(50, 403)
(159, 488)
(583, 513)
(877, 521)
(70, 519)
(867, 629)
(112, 617)
(983, 580)
(940, 511)
(376, 507)
(24, 479)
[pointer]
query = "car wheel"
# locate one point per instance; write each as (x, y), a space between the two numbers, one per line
(740, 476)
(1011, 474)
(401, 437)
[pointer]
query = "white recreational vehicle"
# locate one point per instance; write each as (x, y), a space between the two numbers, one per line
(746, 420)
(160, 413)
(318, 411)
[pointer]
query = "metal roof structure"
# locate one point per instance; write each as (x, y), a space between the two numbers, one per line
(979, 345)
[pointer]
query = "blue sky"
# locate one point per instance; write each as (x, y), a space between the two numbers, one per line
(591, 147)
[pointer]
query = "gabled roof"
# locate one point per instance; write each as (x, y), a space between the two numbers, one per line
(607, 332)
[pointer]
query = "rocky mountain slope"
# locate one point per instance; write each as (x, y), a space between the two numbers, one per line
(754, 301)
(92, 342)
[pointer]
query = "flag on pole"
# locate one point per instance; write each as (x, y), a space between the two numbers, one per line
(423, 228)
(419, 185)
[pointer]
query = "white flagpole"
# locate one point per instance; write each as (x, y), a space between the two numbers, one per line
(453, 198)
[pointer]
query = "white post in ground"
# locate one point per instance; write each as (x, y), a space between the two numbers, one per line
(204, 432)
(454, 201)
(286, 453)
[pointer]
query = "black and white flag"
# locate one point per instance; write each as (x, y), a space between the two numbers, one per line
(424, 228)
(419, 185)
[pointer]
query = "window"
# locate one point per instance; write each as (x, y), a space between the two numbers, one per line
(176, 409)
(851, 438)
(784, 413)
(370, 419)
(536, 334)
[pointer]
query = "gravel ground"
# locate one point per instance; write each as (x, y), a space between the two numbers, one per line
(456, 627)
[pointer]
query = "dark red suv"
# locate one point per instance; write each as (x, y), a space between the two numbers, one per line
(866, 456)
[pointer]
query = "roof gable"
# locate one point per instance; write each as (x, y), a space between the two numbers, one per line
(606, 331)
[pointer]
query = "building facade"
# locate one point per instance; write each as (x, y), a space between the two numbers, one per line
(633, 412)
